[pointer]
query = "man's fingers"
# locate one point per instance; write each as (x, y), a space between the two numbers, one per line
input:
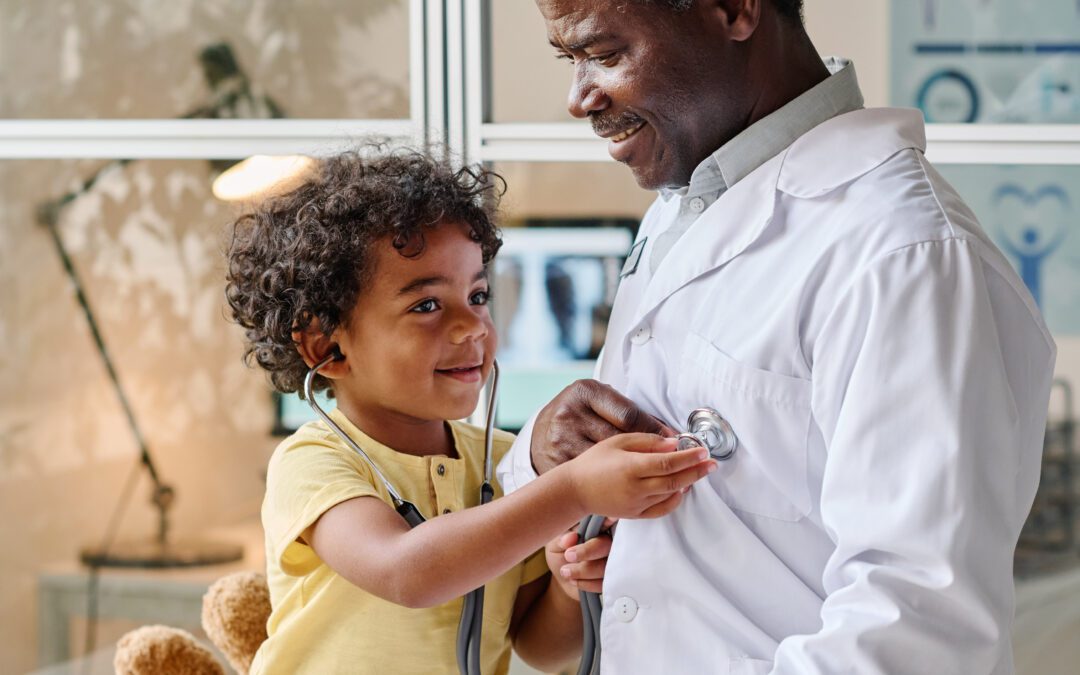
(618, 410)
(677, 482)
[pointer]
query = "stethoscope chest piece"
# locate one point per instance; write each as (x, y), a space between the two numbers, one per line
(707, 429)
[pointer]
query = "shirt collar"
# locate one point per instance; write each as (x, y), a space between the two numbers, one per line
(835, 95)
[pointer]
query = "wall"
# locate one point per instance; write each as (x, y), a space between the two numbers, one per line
(148, 242)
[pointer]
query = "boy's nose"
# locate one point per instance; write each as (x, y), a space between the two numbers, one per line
(469, 326)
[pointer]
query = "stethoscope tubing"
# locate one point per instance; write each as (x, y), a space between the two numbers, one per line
(471, 625)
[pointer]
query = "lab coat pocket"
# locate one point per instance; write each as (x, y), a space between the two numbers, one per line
(770, 414)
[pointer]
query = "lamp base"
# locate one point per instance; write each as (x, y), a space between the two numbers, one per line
(154, 554)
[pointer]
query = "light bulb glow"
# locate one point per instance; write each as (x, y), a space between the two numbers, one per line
(261, 175)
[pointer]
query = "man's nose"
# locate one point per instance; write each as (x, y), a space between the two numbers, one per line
(585, 97)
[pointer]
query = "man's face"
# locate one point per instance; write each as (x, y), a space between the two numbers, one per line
(665, 88)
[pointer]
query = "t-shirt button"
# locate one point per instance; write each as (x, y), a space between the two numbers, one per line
(441, 470)
(625, 609)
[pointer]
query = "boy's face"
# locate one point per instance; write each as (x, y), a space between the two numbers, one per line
(420, 341)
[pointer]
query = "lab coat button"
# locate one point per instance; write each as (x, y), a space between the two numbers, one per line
(641, 335)
(697, 204)
(625, 609)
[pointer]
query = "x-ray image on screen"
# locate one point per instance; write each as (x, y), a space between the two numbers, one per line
(552, 295)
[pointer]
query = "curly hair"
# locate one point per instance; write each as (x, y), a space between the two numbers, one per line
(306, 254)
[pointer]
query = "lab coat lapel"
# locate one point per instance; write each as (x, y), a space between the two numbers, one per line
(722, 232)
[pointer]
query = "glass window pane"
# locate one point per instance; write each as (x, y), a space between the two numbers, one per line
(528, 84)
(1002, 62)
(112, 59)
(968, 60)
(567, 228)
(1030, 212)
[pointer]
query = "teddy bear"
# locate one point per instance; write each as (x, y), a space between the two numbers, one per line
(234, 614)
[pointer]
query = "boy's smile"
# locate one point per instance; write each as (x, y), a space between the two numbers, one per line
(419, 343)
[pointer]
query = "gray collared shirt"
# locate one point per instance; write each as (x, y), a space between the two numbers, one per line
(761, 141)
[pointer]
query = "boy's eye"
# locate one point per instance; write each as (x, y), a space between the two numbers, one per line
(480, 297)
(425, 307)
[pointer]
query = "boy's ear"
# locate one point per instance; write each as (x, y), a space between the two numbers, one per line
(315, 346)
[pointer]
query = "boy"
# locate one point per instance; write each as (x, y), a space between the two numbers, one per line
(382, 261)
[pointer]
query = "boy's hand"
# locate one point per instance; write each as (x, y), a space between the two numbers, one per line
(579, 567)
(636, 475)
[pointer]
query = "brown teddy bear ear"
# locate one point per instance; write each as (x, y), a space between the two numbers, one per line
(234, 614)
(161, 650)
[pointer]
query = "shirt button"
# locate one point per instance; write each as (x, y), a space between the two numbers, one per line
(697, 204)
(441, 470)
(641, 335)
(625, 609)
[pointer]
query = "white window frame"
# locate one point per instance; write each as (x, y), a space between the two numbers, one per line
(241, 138)
(487, 141)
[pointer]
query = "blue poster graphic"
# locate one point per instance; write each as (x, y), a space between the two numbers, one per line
(1004, 62)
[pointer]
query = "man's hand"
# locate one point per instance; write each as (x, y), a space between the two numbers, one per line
(582, 415)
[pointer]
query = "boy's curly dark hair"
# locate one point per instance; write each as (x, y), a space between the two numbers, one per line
(305, 254)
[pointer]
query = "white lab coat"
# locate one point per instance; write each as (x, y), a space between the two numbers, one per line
(888, 377)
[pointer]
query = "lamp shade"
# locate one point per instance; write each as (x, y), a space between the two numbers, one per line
(260, 175)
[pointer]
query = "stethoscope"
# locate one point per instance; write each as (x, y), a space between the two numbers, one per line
(706, 429)
(470, 627)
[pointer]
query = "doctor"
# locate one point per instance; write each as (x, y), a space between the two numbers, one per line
(806, 272)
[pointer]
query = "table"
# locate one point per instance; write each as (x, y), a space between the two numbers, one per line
(172, 597)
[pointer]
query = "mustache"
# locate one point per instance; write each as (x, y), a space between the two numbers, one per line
(608, 124)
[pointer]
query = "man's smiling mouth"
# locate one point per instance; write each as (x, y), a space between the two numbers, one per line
(623, 135)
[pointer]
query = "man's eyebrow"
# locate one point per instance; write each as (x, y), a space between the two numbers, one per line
(424, 282)
(583, 43)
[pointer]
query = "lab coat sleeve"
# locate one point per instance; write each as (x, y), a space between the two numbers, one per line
(931, 378)
(516, 468)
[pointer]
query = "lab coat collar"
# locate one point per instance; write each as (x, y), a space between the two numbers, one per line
(830, 155)
(840, 150)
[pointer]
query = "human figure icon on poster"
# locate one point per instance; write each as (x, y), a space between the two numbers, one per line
(1039, 234)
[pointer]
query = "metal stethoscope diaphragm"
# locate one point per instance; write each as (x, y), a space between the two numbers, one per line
(707, 429)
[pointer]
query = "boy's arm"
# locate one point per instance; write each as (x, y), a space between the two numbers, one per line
(370, 545)
(546, 625)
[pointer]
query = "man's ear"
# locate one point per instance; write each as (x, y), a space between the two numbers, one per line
(739, 18)
(315, 346)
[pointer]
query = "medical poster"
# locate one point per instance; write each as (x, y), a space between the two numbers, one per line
(1004, 62)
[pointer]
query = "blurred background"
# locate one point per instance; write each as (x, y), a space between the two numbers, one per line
(119, 119)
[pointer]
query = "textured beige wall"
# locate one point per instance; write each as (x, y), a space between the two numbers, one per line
(148, 241)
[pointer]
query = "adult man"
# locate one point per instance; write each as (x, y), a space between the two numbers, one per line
(809, 275)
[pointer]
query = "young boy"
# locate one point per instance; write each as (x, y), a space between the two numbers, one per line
(383, 262)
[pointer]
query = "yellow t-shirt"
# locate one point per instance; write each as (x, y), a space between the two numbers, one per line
(322, 624)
